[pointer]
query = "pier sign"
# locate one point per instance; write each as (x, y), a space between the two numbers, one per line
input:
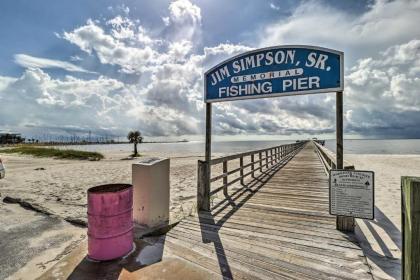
(352, 193)
(275, 71)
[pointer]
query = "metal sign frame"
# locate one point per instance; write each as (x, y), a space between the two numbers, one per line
(373, 193)
(289, 93)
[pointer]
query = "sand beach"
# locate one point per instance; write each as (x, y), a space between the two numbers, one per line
(59, 187)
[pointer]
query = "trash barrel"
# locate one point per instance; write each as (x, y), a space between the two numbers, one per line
(110, 221)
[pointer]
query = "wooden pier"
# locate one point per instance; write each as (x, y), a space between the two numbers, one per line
(276, 225)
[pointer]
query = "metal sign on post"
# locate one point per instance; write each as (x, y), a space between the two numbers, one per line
(275, 71)
(352, 193)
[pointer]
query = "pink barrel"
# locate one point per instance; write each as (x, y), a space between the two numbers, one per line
(110, 221)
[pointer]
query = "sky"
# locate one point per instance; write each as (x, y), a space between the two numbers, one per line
(107, 67)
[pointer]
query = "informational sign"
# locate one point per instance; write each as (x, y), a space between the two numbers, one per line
(352, 193)
(275, 71)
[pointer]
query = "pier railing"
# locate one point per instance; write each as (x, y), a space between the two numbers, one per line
(249, 164)
(328, 158)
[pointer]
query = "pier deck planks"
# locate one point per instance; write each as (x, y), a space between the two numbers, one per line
(277, 228)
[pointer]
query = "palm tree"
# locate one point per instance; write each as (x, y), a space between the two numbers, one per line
(136, 138)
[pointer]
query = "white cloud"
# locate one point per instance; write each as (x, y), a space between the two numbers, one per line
(75, 58)
(274, 7)
(130, 46)
(386, 23)
(119, 8)
(382, 94)
(183, 11)
(122, 28)
(28, 61)
(91, 38)
(183, 22)
(166, 20)
(5, 81)
(45, 101)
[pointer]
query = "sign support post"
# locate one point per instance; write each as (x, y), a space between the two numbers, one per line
(339, 129)
(206, 185)
(343, 223)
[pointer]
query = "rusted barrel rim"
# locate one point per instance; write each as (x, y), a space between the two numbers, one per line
(109, 188)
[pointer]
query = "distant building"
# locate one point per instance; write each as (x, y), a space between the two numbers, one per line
(11, 138)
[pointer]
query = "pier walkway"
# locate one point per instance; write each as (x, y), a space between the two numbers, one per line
(277, 226)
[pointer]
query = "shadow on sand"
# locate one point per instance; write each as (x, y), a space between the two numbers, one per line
(387, 261)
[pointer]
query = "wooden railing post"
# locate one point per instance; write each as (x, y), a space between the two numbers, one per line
(225, 179)
(252, 166)
(260, 159)
(241, 172)
(203, 186)
(410, 211)
(266, 159)
(271, 157)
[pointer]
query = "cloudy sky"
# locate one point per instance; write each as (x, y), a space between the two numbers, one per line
(74, 66)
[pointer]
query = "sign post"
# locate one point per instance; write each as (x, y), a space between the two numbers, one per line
(339, 129)
(342, 223)
(206, 206)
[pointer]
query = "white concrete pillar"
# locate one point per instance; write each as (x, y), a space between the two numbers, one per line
(151, 192)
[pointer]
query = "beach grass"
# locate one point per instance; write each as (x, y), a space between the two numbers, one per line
(54, 153)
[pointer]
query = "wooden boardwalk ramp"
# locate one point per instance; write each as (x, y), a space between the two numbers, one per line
(276, 226)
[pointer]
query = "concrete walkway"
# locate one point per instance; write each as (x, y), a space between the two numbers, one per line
(32, 242)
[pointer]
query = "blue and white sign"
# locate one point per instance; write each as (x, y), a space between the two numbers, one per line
(275, 71)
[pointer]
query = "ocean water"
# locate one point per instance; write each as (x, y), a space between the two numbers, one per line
(381, 146)
(404, 146)
(194, 147)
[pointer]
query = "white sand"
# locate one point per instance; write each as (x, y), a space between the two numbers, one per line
(61, 188)
(381, 238)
